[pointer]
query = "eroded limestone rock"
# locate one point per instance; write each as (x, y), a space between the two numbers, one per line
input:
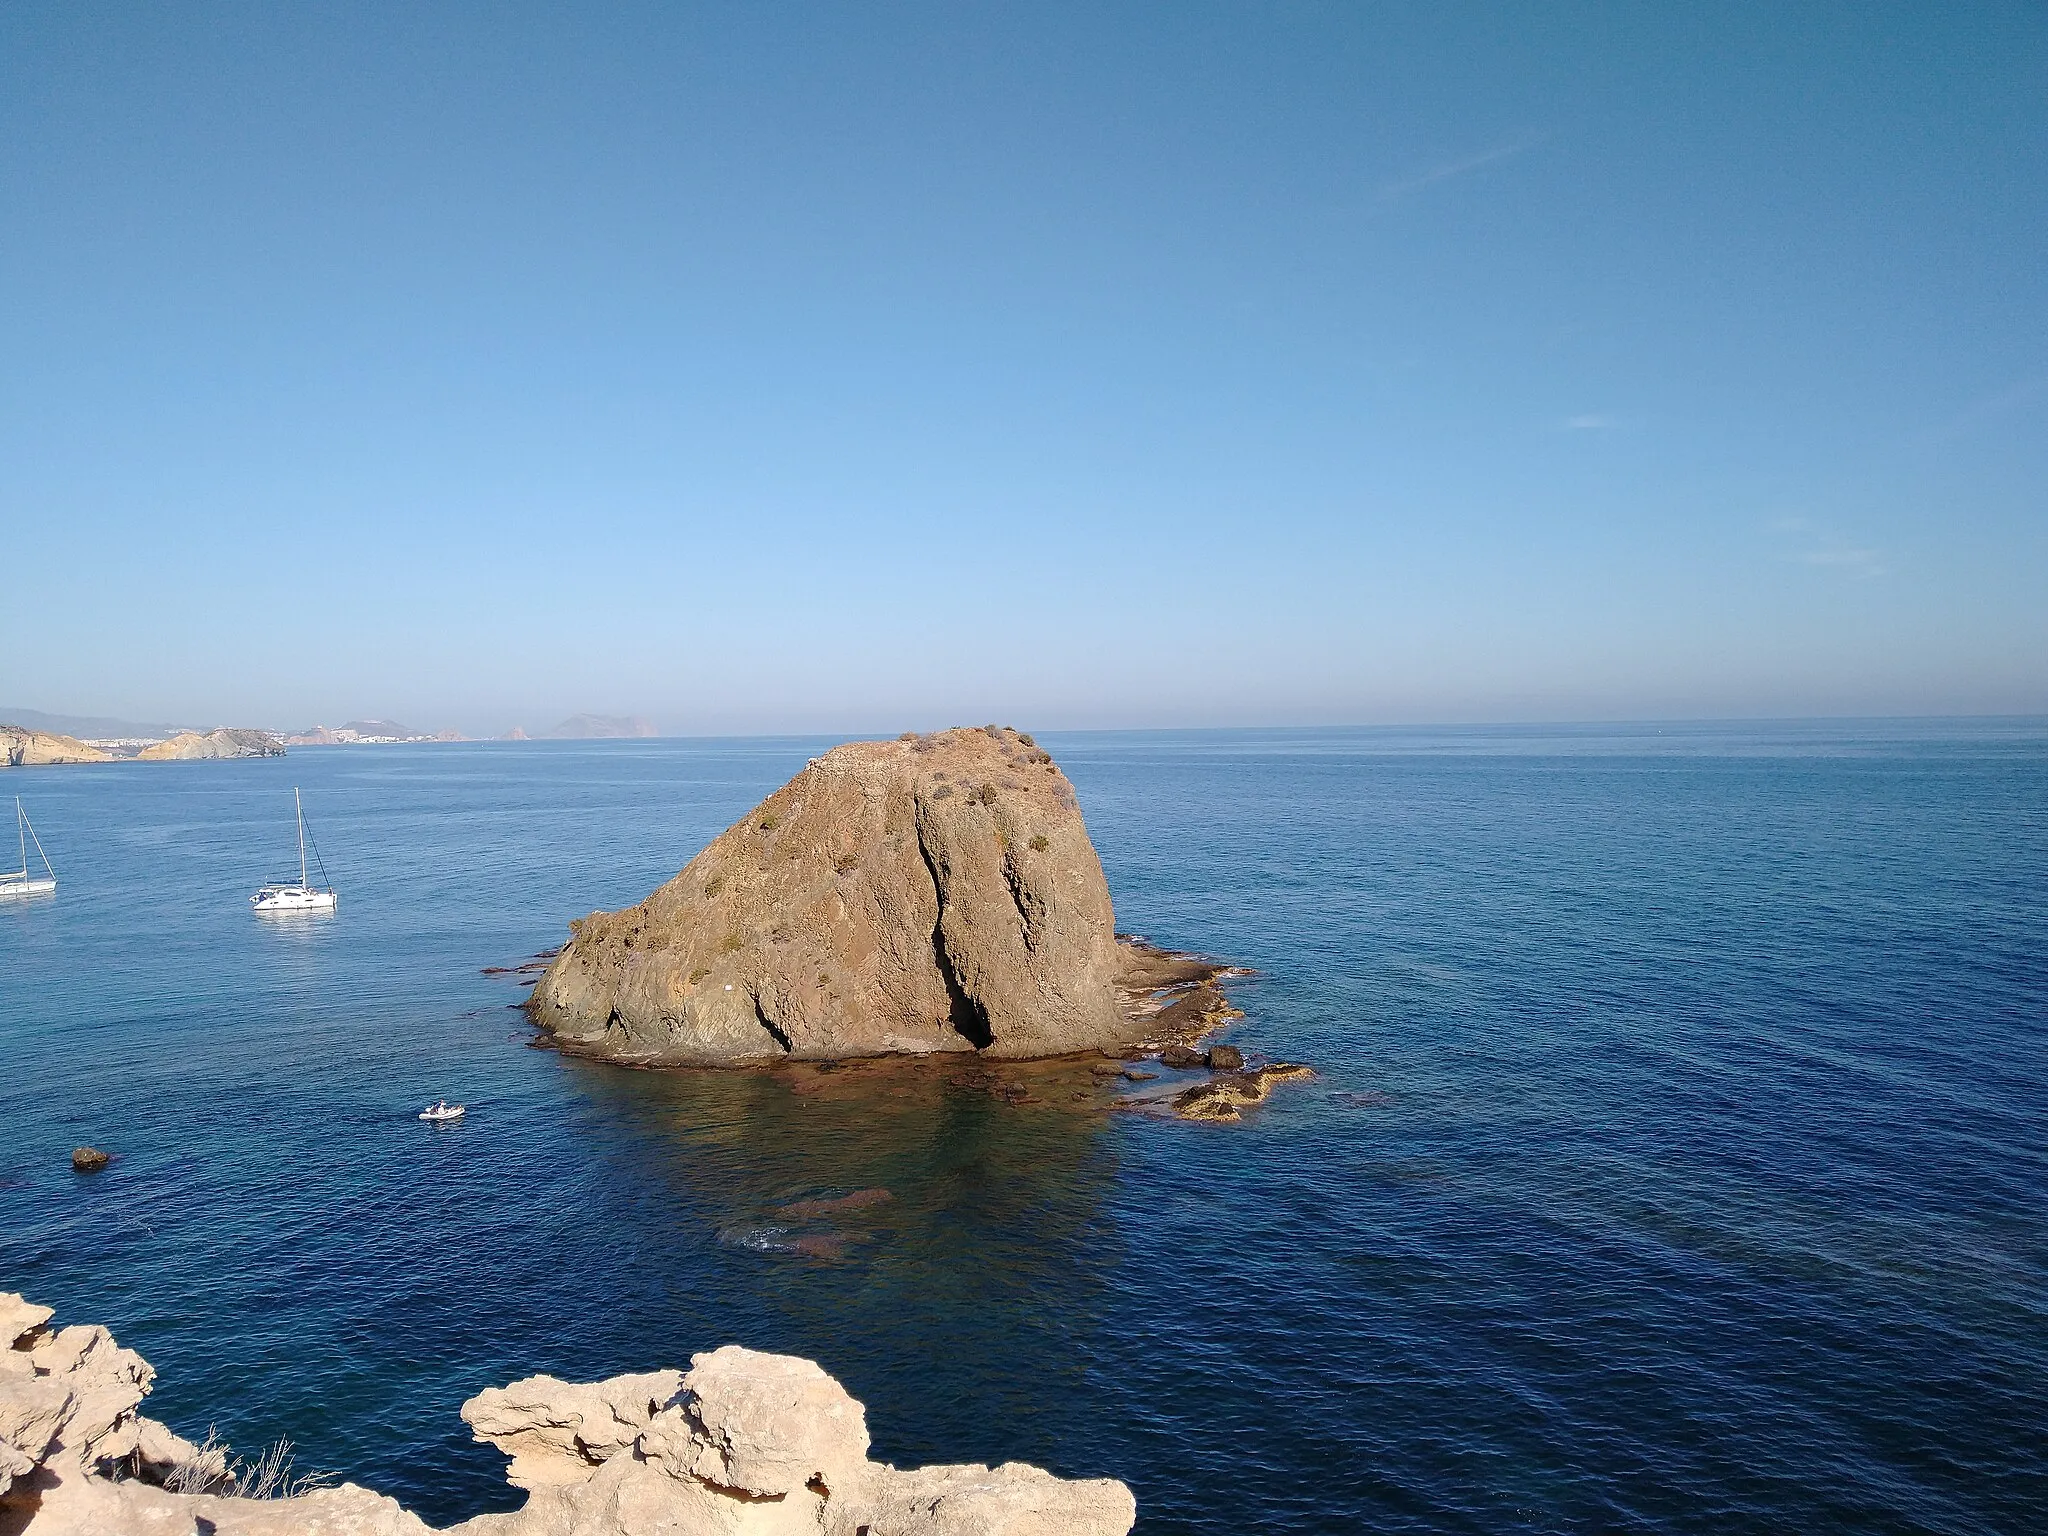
(771, 1425)
(1010, 1500)
(743, 1444)
(754, 1444)
(557, 1431)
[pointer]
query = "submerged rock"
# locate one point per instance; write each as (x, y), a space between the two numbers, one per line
(929, 894)
(859, 1200)
(743, 1444)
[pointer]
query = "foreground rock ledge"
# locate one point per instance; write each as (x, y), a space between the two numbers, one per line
(743, 1444)
(930, 894)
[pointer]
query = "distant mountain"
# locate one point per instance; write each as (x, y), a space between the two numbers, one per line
(592, 727)
(88, 727)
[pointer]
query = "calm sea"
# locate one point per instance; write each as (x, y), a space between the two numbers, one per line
(1679, 1160)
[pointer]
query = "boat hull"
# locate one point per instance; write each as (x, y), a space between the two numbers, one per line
(10, 889)
(291, 899)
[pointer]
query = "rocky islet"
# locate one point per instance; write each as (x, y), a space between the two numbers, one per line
(932, 896)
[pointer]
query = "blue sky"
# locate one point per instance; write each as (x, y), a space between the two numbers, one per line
(765, 367)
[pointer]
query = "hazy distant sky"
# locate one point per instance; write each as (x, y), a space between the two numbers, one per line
(861, 366)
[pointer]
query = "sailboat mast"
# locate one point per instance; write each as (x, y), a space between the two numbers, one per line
(302, 835)
(20, 825)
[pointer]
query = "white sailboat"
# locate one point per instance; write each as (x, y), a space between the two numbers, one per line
(303, 897)
(18, 882)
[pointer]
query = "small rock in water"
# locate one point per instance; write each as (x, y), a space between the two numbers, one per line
(89, 1159)
(1132, 1075)
(1225, 1058)
(1220, 1098)
(1180, 1056)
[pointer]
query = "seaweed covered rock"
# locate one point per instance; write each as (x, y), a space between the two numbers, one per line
(932, 893)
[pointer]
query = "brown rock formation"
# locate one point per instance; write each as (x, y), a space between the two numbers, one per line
(21, 747)
(225, 742)
(744, 1444)
(933, 893)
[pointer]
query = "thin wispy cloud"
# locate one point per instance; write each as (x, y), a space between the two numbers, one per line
(1507, 149)
(1591, 422)
(1849, 561)
(1818, 547)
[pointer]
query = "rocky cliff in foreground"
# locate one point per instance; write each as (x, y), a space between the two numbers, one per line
(21, 747)
(933, 893)
(225, 742)
(742, 1444)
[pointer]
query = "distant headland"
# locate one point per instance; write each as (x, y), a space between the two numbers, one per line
(21, 747)
(32, 739)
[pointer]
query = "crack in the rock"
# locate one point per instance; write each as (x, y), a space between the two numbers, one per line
(1028, 912)
(965, 1015)
(775, 1030)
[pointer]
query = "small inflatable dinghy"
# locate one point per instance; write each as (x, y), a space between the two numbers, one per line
(441, 1109)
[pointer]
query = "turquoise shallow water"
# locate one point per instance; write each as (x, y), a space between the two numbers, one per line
(1679, 1161)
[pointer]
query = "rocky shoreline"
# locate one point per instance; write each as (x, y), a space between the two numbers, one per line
(741, 1444)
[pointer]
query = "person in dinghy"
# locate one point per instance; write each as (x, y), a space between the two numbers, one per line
(441, 1109)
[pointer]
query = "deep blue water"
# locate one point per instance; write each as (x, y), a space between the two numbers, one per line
(1679, 1162)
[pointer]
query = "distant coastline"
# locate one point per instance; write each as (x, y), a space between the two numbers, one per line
(21, 747)
(33, 739)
